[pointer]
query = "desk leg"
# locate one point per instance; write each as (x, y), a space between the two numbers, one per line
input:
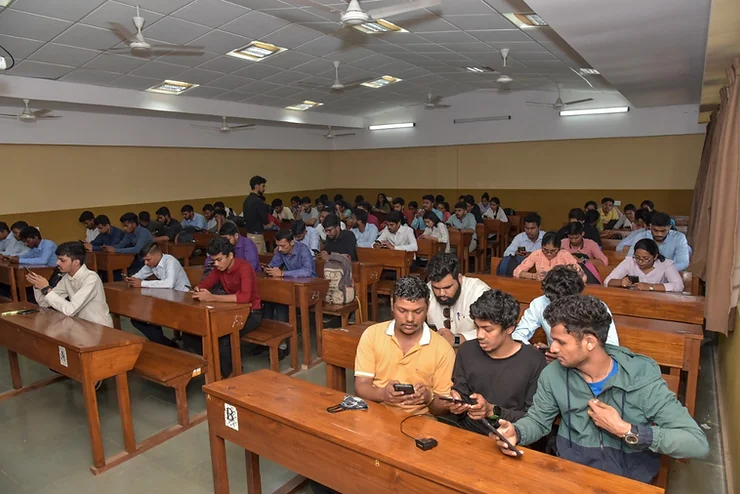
(15, 370)
(693, 347)
(254, 480)
(293, 320)
(93, 421)
(236, 353)
(213, 372)
(116, 320)
(218, 463)
(22, 293)
(319, 311)
(109, 273)
(303, 303)
(124, 410)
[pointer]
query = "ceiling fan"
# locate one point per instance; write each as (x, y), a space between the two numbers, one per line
(28, 116)
(331, 134)
(138, 46)
(354, 15)
(433, 102)
(338, 86)
(559, 103)
(225, 128)
(504, 78)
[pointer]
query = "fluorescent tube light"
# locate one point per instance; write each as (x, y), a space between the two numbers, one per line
(381, 82)
(393, 126)
(379, 26)
(172, 87)
(594, 111)
(481, 119)
(588, 71)
(256, 51)
(306, 105)
(525, 20)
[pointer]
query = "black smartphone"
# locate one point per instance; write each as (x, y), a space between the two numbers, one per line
(633, 279)
(27, 270)
(407, 389)
(503, 439)
(190, 288)
(543, 349)
(450, 399)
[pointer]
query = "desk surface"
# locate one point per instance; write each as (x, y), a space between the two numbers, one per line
(167, 295)
(302, 405)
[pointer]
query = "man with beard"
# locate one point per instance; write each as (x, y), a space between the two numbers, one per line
(449, 309)
(671, 243)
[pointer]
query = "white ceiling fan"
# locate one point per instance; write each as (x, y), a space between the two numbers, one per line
(225, 128)
(338, 86)
(504, 78)
(29, 116)
(331, 134)
(138, 46)
(354, 15)
(559, 103)
(433, 102)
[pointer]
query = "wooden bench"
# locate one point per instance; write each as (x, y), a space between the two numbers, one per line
(181, 252)
(270, 334)
(398, 261)
(460, 240)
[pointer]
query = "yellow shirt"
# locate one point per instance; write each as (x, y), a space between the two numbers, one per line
(606, 218)
(430, 362)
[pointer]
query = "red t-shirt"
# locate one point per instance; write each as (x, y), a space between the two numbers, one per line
(372, 219)
(239, 279)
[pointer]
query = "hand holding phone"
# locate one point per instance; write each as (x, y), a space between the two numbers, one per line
(407, 389)
(502, 441)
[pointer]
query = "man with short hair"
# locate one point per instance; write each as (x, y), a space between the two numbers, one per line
(221, 219)
(255, 213)
(671, 243)
(145, 220)
(244, 248)
(618, 414)
(134, 240)
(609, 215)
(397, 205)
(306, 235)
(320, 228)
(309, 214)
(238, 280)
(169, 274)
(191, 219)
(78, 293)
(428, 205)
(87, 218)
(41, 252)
(208, 215)
(338, 241)
(529, 240)
(5, 235)
(496, 372)
(108, 234)
(228, 212)
(371, 218)
(577, 215)
(463, 219)
(627, 219)
(295, 206)
(13, 245)
(449, 309)
(405, 351)
(648, 205)
(576, 244)
(396, 235)
(280, 212)
(365, 233)
(472, 208)
(639, 225)
(170, 226)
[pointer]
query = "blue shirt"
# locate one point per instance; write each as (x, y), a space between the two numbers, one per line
(418, 223)
(43, 255)
(132, 243)
(630, 239)
(198, 221)
(467, 223)
(11, 247)
(298, 264)
(598, 387)
(113, 237)
(522, 240)
(675, 246)
(311, 240)
(368, 237)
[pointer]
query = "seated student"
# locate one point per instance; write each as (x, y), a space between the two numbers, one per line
(13, 245)
(282, 213)
(576, 244)
(497, 372)
(320, 228)
(436, 228)
(191, 219)
(306, 235)
(371, 218)
(108, 234)
(342, 210)
(292, 259)
(485, 203)
(529, 240)
(560, 282)
(365, 233)
(358, 199)
(546, 258)
(145, 220)
(134, 240)
(208, 214)
(41, 252)
(396, 235)
(309, 214)
(444, 207)
(464, 220)
(473, 208)
(87, 218)
(272, 222)
(382, 204)
(646, 270)
(238, 280)
(295, 206)
(627, 220)
(78, 293)
(642, 221)
(170, 226)
(228, 211)
(337, 240)
(439, 198)
(672, 243)
(221, 219)
(5, 235)
(592, 220)
(427, 205)
(406, 351)
(609, 215)
(244, 248)
(169, 274)
(648, 205)
(618, 414)
(592, 206)
(495, 212)
(577, 215)
(398, 203)
(449, 309)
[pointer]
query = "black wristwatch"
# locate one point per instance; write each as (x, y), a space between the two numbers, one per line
(632, 437)
(45, 290)
(457, 340)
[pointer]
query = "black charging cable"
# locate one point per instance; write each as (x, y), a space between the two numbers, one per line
(423, 443)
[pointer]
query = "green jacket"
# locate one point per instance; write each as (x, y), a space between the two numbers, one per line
(641, 397)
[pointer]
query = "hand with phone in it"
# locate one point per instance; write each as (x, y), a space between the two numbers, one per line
(545, 349)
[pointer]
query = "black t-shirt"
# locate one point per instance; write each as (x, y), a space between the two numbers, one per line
(345, 243)
(255, 214)
(589, 231)
(170, 229)
(509, 382)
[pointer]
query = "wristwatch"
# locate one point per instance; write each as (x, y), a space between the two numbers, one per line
(457, 340)
(632, 437)
(45, 290)
(495, 413)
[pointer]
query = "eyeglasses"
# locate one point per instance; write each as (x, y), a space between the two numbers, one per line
(642, 259)
(446, 314)
(550, 252)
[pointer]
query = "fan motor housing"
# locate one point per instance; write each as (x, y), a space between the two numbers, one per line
(354, 17)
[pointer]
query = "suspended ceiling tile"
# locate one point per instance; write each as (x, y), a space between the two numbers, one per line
(213, 13)
(28, 68)
(92, 77)
(64, 55)
(68, 11)
(31, 26)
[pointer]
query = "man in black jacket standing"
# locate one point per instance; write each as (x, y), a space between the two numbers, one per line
(255, 213)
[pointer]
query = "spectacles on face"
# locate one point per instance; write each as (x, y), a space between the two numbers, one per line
(550, 252)
(446, 314)
(642, 260)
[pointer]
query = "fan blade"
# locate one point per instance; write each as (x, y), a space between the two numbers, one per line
(319, 6)
(402, 8)
(209, 127)
(435, 107)
(577, 101)
(8, 115)
(313, 85)
(49, 116)
(345, 134)
(238, 127)
(354, 84)
(538, 103)
(40, 113)
(235, 129)
(122, 31)
(176, 50)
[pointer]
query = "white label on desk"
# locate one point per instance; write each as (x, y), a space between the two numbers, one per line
(63, 356)
(231, 419)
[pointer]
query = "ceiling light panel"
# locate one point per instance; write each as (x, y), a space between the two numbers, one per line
(379, 26)
(525, 20)
(306, 105)
(405, 125)
(256, 51)
(172, 87)
(381, 82)
(594, 111)
(588, 71)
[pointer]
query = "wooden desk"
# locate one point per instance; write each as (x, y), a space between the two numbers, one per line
(181, 252)
(83, 351)
(285, 420)
(179, 311)
(202, 239)
(109, 262)
(22, 283)
(460, 240)
(614, 257)
(7, 277)
(398, 261)
(610, 243)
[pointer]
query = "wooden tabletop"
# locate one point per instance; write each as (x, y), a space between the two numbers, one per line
(298, 404)
(168, 295)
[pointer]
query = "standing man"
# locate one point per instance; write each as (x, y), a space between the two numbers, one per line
(87, 218)
(191, 219)
(255, 213)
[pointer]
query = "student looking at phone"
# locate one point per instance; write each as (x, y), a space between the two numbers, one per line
(107, 234)
(40, 251)
(396, 235)
(646, 270)
(529, 240)
(405, 351)
(498, 373)
(87, 218)
(306, 235)
(244, 248)
(12, 245)
(170, 226)
(338, 241)
(134, 240)
(618, 414)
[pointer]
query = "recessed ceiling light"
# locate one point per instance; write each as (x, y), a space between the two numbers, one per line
(256, 51)
(306, 105)
(172, 87)
(588, 71)
(526, 20)
(381, 82)
(5, 3)
(480, 70)
(379, 26)
(594, 111)
(393, 126)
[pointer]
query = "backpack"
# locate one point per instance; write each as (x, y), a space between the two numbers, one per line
(186, 235)
(338, 270)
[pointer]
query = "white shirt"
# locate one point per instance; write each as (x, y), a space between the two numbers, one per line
(90, 235)
(285, 214)
(441, 233)
(211, 225)
(403, 239)
(13, 247)
(533, 318)
(460, 321)
(499, 215)
(86, 297)
(366, 238)
(169, 274)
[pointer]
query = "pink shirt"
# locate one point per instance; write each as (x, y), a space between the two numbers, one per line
(589, 248)
(543, 264)
(663, 273)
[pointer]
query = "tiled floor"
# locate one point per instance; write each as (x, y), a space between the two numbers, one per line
(44, 445)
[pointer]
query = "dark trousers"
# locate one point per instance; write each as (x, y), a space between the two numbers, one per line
(195, 343)
(275, 312)
(152, 332)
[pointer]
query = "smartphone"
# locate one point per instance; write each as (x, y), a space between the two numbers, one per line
(450, 399)
(190, 288)
(27, 270)
(407, 389)
(633, 279)
(543, 349)
(503, 439)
